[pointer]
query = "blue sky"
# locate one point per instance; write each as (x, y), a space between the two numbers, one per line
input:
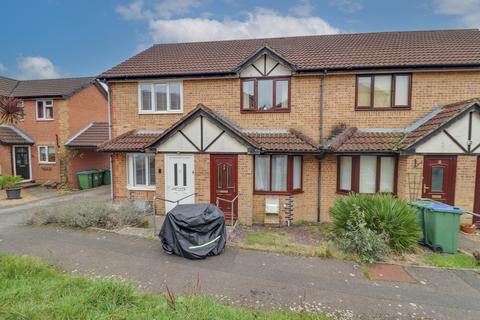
(66, 38)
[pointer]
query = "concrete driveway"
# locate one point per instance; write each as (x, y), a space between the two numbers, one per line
(245, 277)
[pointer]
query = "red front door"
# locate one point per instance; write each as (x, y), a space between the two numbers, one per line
(439, 178)
(476, 206)
(224, 183)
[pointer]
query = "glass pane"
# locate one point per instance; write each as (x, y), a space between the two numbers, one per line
(387, 174)
(248, 95)
(151, 169)
(146, 96)
(401, 90)
(368, 174)
(364, 91)
(48, 112)
(437, 179)
(184, 174)
(281, 94)
(382, 94)
(219, 176)
(51, 154)
(262, 173)
(40, 109)
(279, 173)
(175, 96)
(161, 97)
(43, 154)
(297, 172)
(139, 167)
(49, 103)
(175, 174)
(346, 173)
(229, 176)
(265, 94)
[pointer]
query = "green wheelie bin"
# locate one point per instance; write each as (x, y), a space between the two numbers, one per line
(442, 226)
(97, 178)
(107, 177)
(420, 206)
(85, 179)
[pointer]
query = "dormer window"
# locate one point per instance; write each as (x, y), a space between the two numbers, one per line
(266, 94)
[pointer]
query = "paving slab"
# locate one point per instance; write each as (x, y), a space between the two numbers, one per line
(389, 272)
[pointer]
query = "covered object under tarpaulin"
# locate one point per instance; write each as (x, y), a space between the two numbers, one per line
(194, 231)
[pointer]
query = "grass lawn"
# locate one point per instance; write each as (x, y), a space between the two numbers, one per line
(32, 290)
(458, 260)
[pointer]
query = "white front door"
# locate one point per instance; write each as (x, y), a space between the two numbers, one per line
(180, 180)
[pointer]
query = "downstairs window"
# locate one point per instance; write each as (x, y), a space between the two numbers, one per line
(278, 174)
(141, 171)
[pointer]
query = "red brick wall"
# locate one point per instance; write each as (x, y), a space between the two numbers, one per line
(86, 159)
(5, 160)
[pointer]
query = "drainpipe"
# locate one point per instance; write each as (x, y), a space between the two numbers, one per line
(319, 176)
(110, 138)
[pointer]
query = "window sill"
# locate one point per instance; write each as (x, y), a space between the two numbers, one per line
(45, 119)
(161, 112)
(406, 108)
(265, 111)
(46, 163)
(273, 193)
(141, 188)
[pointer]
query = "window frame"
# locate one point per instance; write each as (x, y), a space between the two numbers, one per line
(44, 110)
(131, 172)
(274, 93)
(153, 102)
(355, 174)
(393, 105)
(290, 190)
(40, 147)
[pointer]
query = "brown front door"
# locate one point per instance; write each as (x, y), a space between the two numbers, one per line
(224, 183)
(476, 206)
(439, 178)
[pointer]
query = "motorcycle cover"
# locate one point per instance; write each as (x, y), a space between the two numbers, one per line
(194, 231)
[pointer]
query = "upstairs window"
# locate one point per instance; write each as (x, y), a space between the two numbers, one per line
(44, 109)
(366, 174)
(383, 91)
(278, 174)
(266, 94)
(160, 97)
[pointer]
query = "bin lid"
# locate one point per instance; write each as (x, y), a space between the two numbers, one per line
(421, 203)
(444, 208)
(87, 172)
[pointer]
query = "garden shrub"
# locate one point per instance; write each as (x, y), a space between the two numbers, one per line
(91, 214)
(361, 241)
(383, 214)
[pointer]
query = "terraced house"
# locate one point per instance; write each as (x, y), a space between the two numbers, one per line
(263, 125)
(64, 121)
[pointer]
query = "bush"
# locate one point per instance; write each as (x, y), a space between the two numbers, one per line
(384, 214)
(9, 181)
(361, 241)
(91, 214)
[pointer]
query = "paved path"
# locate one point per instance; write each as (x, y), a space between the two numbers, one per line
(246, 277)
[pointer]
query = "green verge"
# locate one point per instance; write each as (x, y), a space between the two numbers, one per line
(458, 260)
(30, 289)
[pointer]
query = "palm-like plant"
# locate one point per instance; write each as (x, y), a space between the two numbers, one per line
(10, 110)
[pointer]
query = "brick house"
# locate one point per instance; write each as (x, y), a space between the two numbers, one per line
(64, 121)
(304, 119)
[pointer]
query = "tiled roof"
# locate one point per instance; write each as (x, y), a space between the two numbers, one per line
(131, 141)
(43, 88)
(436, 119)
(307, 53)
(282, 141)
(92, 135)
(13, 135)
(363, 140)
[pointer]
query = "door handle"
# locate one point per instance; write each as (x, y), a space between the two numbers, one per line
(425, 188)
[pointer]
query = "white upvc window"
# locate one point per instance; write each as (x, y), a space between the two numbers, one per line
(160, 97)
(46, 154)
(141, 171)
(44, 109)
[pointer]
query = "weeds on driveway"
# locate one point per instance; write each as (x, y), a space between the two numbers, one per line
(91, 214)
(458, 260)
(33, 290)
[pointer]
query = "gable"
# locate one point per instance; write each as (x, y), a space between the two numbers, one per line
(460, 137)
(202, 135)
(265, 65)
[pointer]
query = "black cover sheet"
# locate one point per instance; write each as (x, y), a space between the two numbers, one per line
(194, 231)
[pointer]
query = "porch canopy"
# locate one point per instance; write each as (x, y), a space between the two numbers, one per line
(11, 135)
(91, 136)
(204, 130)
(450, 129)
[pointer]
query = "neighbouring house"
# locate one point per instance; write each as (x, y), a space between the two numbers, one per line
(272, 127)
(64, 122)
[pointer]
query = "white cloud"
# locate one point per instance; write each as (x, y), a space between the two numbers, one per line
(2, 67)
(149, 9)
(302, 8)
(257, 24)
(349, 6)
(134, 11)
(467, 10)
(36, 68)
